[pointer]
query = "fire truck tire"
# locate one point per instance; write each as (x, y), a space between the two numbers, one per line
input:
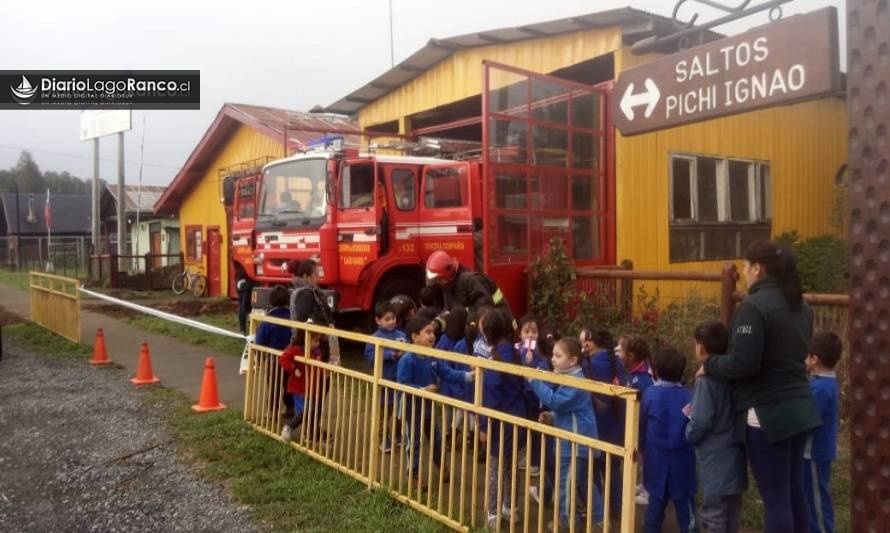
(400, 282)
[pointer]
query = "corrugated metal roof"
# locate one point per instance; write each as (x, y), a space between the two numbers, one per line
(638, 24)
(301, 128)
(146, 197)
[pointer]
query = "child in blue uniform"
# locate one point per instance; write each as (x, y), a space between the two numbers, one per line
(821, 447)
(636, 357)
(422, 372)
(668, 459)
(528, 348)
(385, 316)
(718, 433)
(452, 334)
(570, 409)
(502, 392)
(278, 337)
(602, 364)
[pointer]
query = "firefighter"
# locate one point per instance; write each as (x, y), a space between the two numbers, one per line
(463, 287)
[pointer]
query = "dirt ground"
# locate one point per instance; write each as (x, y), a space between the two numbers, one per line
(83, 451)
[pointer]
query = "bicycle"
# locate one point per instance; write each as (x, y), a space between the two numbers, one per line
(189, 280)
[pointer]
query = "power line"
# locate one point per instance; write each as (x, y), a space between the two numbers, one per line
(75, 156)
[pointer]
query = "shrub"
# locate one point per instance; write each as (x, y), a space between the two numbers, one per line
(822, 262)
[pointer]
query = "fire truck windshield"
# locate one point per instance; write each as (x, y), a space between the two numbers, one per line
(295, 190)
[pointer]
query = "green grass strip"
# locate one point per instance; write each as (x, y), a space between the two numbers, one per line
(46, 342)
(286, 489)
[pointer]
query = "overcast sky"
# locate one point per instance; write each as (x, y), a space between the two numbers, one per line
(286, 54)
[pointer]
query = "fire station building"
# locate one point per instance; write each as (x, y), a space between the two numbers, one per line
(536, 102)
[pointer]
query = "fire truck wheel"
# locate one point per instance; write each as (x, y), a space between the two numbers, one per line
(401, 282)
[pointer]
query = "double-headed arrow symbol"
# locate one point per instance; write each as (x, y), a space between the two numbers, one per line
(650, 98)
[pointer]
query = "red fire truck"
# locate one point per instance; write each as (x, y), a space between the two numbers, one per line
(372, 220)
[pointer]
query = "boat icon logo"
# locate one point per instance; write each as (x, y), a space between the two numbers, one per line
(24, 93)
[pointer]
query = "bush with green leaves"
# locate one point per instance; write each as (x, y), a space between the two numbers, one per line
(822, 261)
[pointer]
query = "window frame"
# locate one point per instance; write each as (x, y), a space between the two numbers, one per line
(759, 190)
(194, 249)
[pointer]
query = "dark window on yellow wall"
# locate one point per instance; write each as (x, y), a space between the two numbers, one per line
(193, 243)
(718, 206)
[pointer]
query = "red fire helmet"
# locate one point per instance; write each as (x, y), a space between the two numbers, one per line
(441, 265)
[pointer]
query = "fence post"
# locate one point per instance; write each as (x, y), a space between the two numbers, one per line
(112, 270)
(375, 415)
(727, 291)
(626, 287)
(147, 258)
(631, 459)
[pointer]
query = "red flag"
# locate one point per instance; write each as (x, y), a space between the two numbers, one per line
(48, 212)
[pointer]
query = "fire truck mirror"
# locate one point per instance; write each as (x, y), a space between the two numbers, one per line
(229, 191)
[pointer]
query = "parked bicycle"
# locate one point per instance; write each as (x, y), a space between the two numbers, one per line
(191, 278)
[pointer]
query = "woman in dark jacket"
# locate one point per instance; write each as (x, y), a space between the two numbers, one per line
(769, 339)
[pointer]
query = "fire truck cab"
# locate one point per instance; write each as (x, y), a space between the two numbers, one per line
(369, 220)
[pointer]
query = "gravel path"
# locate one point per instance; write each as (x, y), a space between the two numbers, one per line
(79, 452)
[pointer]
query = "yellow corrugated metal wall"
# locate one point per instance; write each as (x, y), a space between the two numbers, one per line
(460, 75)
(203, 204)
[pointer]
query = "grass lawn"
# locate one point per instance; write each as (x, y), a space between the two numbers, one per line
(14, 278)
(218, 343)
(286, 489)
(46, 342)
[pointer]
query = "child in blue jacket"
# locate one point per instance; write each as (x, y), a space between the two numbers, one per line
(421, 372)
(718, 433)
(821, 448)
(668, 458)
(278, 337)
(502, 392)
(528, 348)
(600, 363)
(636, 358)
(385, 316)
(570, 409)
(453, 335)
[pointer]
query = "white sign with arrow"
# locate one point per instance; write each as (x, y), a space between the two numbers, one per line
(649, 98)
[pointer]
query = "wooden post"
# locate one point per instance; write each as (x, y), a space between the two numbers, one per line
(730, 276)
(626, 290)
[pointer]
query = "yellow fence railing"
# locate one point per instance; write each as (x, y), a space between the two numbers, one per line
(55, 304)
(463, 482)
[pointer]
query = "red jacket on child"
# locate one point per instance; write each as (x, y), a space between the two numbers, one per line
(290, 361)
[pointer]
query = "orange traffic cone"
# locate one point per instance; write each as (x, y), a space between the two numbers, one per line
(209, 400)
(100, 356)
(144, 374)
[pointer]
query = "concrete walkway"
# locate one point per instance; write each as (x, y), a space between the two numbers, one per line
(178, 364)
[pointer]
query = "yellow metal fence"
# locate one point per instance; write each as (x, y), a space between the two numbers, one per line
(463, 482)
(55, 304)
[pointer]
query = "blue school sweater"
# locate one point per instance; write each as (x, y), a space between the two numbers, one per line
(822, 444)
(610, 417)
(450, 388)
(668, 458)
(419, 371)
(502, 392)
(389, 355)
(461, 347)
(572, 408)
(275, 335)
(639, 378)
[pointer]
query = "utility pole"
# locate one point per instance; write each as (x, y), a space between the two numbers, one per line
(95, 202)
(18, 230)
(121, 199)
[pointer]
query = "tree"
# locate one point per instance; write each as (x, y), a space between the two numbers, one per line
(27, 174)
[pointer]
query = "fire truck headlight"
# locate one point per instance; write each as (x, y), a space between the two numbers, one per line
(259, 268)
